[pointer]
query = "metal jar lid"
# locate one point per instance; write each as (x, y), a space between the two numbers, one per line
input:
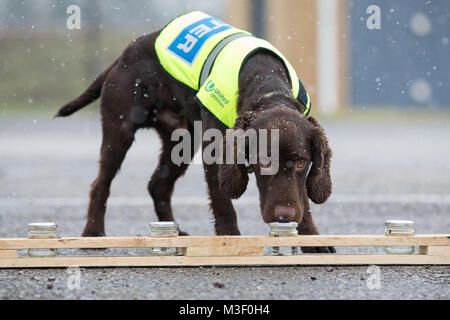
(283, 228)
(42, 226)
(399, 223)
(286, 225)
(164, 225)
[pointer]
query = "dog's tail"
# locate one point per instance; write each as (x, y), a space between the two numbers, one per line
(90, 95)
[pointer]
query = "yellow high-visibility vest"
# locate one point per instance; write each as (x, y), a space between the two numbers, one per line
(206, 54)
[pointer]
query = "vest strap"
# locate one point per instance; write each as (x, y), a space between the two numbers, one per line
(207, 66)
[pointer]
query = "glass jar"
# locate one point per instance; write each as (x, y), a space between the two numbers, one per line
(164, 229)
(282, 229)
(399, 228)
(42, 230)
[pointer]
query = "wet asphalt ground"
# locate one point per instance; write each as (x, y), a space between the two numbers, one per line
(382, 169)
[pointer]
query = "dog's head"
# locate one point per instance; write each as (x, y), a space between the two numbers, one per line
(301, 169)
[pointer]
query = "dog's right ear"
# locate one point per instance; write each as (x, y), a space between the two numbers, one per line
(318, 182)
(233, 177)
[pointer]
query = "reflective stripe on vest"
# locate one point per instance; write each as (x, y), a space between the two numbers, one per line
(206, 55)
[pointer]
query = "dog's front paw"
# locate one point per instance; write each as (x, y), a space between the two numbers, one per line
(228, 232)
(93, 233)
(318, 250)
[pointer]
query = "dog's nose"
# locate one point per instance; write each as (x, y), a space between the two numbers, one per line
(284, 213)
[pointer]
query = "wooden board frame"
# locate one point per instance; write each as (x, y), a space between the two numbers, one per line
(227, 251)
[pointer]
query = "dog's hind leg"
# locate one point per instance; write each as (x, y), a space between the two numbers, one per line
(162, 182)
(118, 136)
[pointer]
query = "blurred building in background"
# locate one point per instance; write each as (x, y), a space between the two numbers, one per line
(348, 53)
(343, 61)
(308, 33)
(406, 62)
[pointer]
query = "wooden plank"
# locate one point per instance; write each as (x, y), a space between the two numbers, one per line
(8, 254)
(225, 251)
(423, 249)
(226, 241)
(435, 250)
(149, 261)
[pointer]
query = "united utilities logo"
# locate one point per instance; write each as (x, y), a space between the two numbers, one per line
(216, 94)
(209, 86)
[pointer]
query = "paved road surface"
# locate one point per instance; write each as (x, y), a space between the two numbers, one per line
(381, 170)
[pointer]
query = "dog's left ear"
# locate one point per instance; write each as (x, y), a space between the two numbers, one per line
(318, 182)
(233, 178)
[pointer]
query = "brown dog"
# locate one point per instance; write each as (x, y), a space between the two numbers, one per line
(156, 100)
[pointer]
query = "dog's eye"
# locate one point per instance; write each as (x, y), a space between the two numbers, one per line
(300, 165)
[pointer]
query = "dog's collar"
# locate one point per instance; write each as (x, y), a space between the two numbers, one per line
(276, 93)
(273, 93)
